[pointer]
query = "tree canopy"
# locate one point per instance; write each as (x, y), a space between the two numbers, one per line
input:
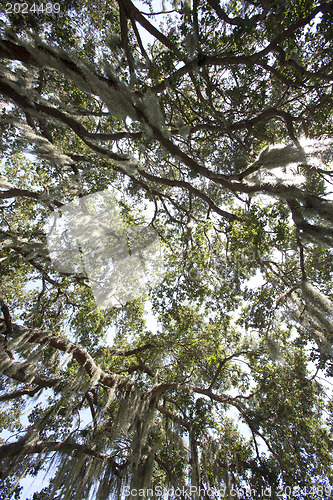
(210, 126)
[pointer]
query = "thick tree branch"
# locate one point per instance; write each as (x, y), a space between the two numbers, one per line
(21, 373)
(79, 354)
(191, 189)
(11, 50)
(130, 352)
(124, 38)
(19, 394)
(133, 13)
(21, 193)
(21, 449)
(9, 327)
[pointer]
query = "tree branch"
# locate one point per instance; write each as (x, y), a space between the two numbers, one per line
(9, 327)
(19, 394)
(20, 193)
(79, 354)
(21, 449)
(18, 372)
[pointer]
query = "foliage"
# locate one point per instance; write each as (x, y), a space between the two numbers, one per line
(215, 132)
(7, 492)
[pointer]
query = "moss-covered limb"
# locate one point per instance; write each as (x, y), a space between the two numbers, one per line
(19, 193)
(22, 373)
(19, 448)
(19, 394)
(78, 353)
(105, 378)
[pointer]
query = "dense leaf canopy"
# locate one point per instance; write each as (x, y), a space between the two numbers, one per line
(211, 125)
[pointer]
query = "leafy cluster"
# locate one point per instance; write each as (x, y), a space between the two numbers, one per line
(211, 124)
